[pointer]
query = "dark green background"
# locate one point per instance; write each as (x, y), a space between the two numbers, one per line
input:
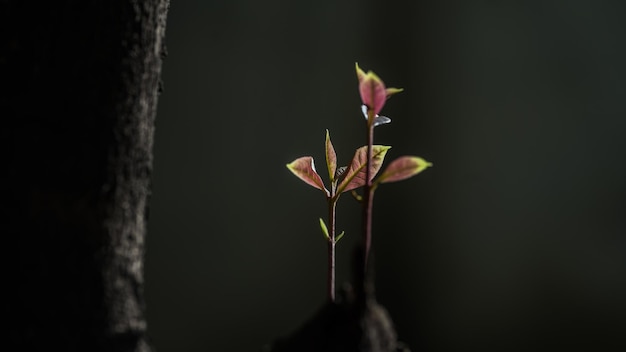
(515, 240)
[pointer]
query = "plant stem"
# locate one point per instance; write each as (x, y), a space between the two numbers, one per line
(367, 201)
(332, 203)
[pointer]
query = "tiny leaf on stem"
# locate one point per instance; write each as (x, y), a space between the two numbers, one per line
(304, 169)
(324, 229)
(331, 158)
(356, 196)
(355, 175)
(403, 168)
(340, 236)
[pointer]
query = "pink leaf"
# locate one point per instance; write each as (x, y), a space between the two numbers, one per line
(355, 175)
(304, 169)
(403, 168)
(331, 158)
(372, 90)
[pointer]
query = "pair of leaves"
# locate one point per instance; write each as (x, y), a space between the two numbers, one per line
(325, 232)
(354, 175)
(345, 179)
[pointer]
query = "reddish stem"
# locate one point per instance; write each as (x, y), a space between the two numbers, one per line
(367, 190)
(331, 248)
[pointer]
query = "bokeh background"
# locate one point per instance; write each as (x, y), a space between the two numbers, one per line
(515, 240)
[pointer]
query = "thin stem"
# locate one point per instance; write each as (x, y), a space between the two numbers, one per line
(367, 200)
(332, 203)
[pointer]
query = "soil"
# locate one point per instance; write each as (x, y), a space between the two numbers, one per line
(348, 325)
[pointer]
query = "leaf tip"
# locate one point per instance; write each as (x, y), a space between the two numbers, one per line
(392, 91)
(360, 74)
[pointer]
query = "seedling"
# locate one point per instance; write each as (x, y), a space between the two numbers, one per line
(365, 164)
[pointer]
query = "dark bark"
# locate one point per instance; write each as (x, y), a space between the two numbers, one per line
(78, 90)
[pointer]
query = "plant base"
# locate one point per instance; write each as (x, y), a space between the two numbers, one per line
(346, 326)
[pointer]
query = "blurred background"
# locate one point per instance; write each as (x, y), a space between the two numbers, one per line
(514, 240)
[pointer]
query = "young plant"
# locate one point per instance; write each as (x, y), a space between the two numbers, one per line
(341, 179)
(365, 164)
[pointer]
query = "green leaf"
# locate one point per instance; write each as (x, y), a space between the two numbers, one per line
(340, 236)
(360, 74)
(304, 169)
(324, 229)
(391, 91)
(403, 168)
(331, 158)
(357, 196)
(355, 175)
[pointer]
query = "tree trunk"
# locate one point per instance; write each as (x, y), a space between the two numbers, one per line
(78, 90)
